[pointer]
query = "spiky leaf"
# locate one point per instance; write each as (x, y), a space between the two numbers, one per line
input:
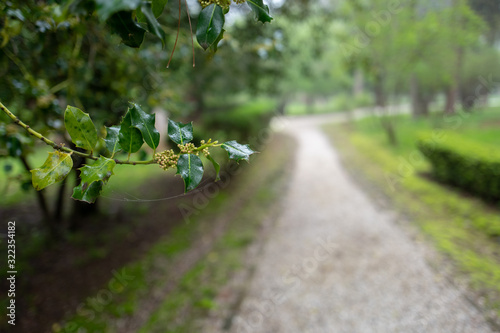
(129, 138)
(56, 168)
(146, 124)
(80, 127)
(149, 17)
(87, 193)
(180, 133)
(190, 167)
(237, 151)
(100, 171)
(260, 10)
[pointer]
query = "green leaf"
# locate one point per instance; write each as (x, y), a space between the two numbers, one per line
(111, 140)
(190, 167)
(153, 25)
(216, 167)
(237, 151)
(56, 168)
(210, 23)
(99, 172)
(106, 8)
(80, 127)
(260, 10)
(146, 124)
(216, 43)
(158, 6)
(122, 24)
(87, 193)
(129, 138)
(102, 169)
(180, 133)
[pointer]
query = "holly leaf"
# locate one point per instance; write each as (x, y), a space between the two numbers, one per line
(56, 168)
(190, 167)
(237, 151)
(146, 124)
(260, 10)
(80, 127)
(111, 141)
(122, 24)
(158, 6)
(216, 167)
(149, 17)
(100, 171)
(87, 193)
(180, 133)
(210, 23)
(216, 43)
(106, 8)
(129, 138)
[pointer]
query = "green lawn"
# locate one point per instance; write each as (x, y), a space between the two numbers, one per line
(457, 223)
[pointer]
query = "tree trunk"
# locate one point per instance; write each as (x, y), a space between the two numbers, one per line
(380, 98)
(358, 84)
(390, 131)
(419, 102)
(81, 209)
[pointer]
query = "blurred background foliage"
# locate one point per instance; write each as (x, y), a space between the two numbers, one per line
(318, 57)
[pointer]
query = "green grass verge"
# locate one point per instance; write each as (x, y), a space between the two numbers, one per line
(260, 185)
(456, 223)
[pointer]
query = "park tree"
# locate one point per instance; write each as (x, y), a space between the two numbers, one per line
(60, 58)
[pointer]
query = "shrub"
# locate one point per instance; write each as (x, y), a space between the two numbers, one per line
(469, 165)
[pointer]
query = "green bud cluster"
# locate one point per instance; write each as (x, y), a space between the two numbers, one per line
(223, 3)
(166, 159)
(188, 148)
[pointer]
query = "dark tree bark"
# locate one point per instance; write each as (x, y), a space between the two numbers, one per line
(419, 100)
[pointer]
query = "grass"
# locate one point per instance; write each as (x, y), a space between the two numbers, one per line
(196, 291)
(457, 223)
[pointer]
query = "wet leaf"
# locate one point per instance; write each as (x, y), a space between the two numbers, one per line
(210, 23)
(237, 151)
(87, 193)
(56, 168)
(93, 177)
(146, 124)
(260, 10)
(80, 127)
(190, 167)
(111, 140)
(129, 138)
(180, 133)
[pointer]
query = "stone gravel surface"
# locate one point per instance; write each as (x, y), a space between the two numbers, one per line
(335, 262)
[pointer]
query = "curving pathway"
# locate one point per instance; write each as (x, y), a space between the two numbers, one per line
(335, 263)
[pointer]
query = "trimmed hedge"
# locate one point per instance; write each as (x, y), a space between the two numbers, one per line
(469, 165)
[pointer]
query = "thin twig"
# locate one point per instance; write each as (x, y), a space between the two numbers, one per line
(54, 145)
(177, 37)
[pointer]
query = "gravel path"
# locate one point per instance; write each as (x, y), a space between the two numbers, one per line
(336, 263)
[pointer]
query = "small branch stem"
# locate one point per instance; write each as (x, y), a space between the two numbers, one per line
(54, 145)
(40, 136)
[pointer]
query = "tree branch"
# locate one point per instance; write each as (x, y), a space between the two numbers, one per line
(54, 145)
